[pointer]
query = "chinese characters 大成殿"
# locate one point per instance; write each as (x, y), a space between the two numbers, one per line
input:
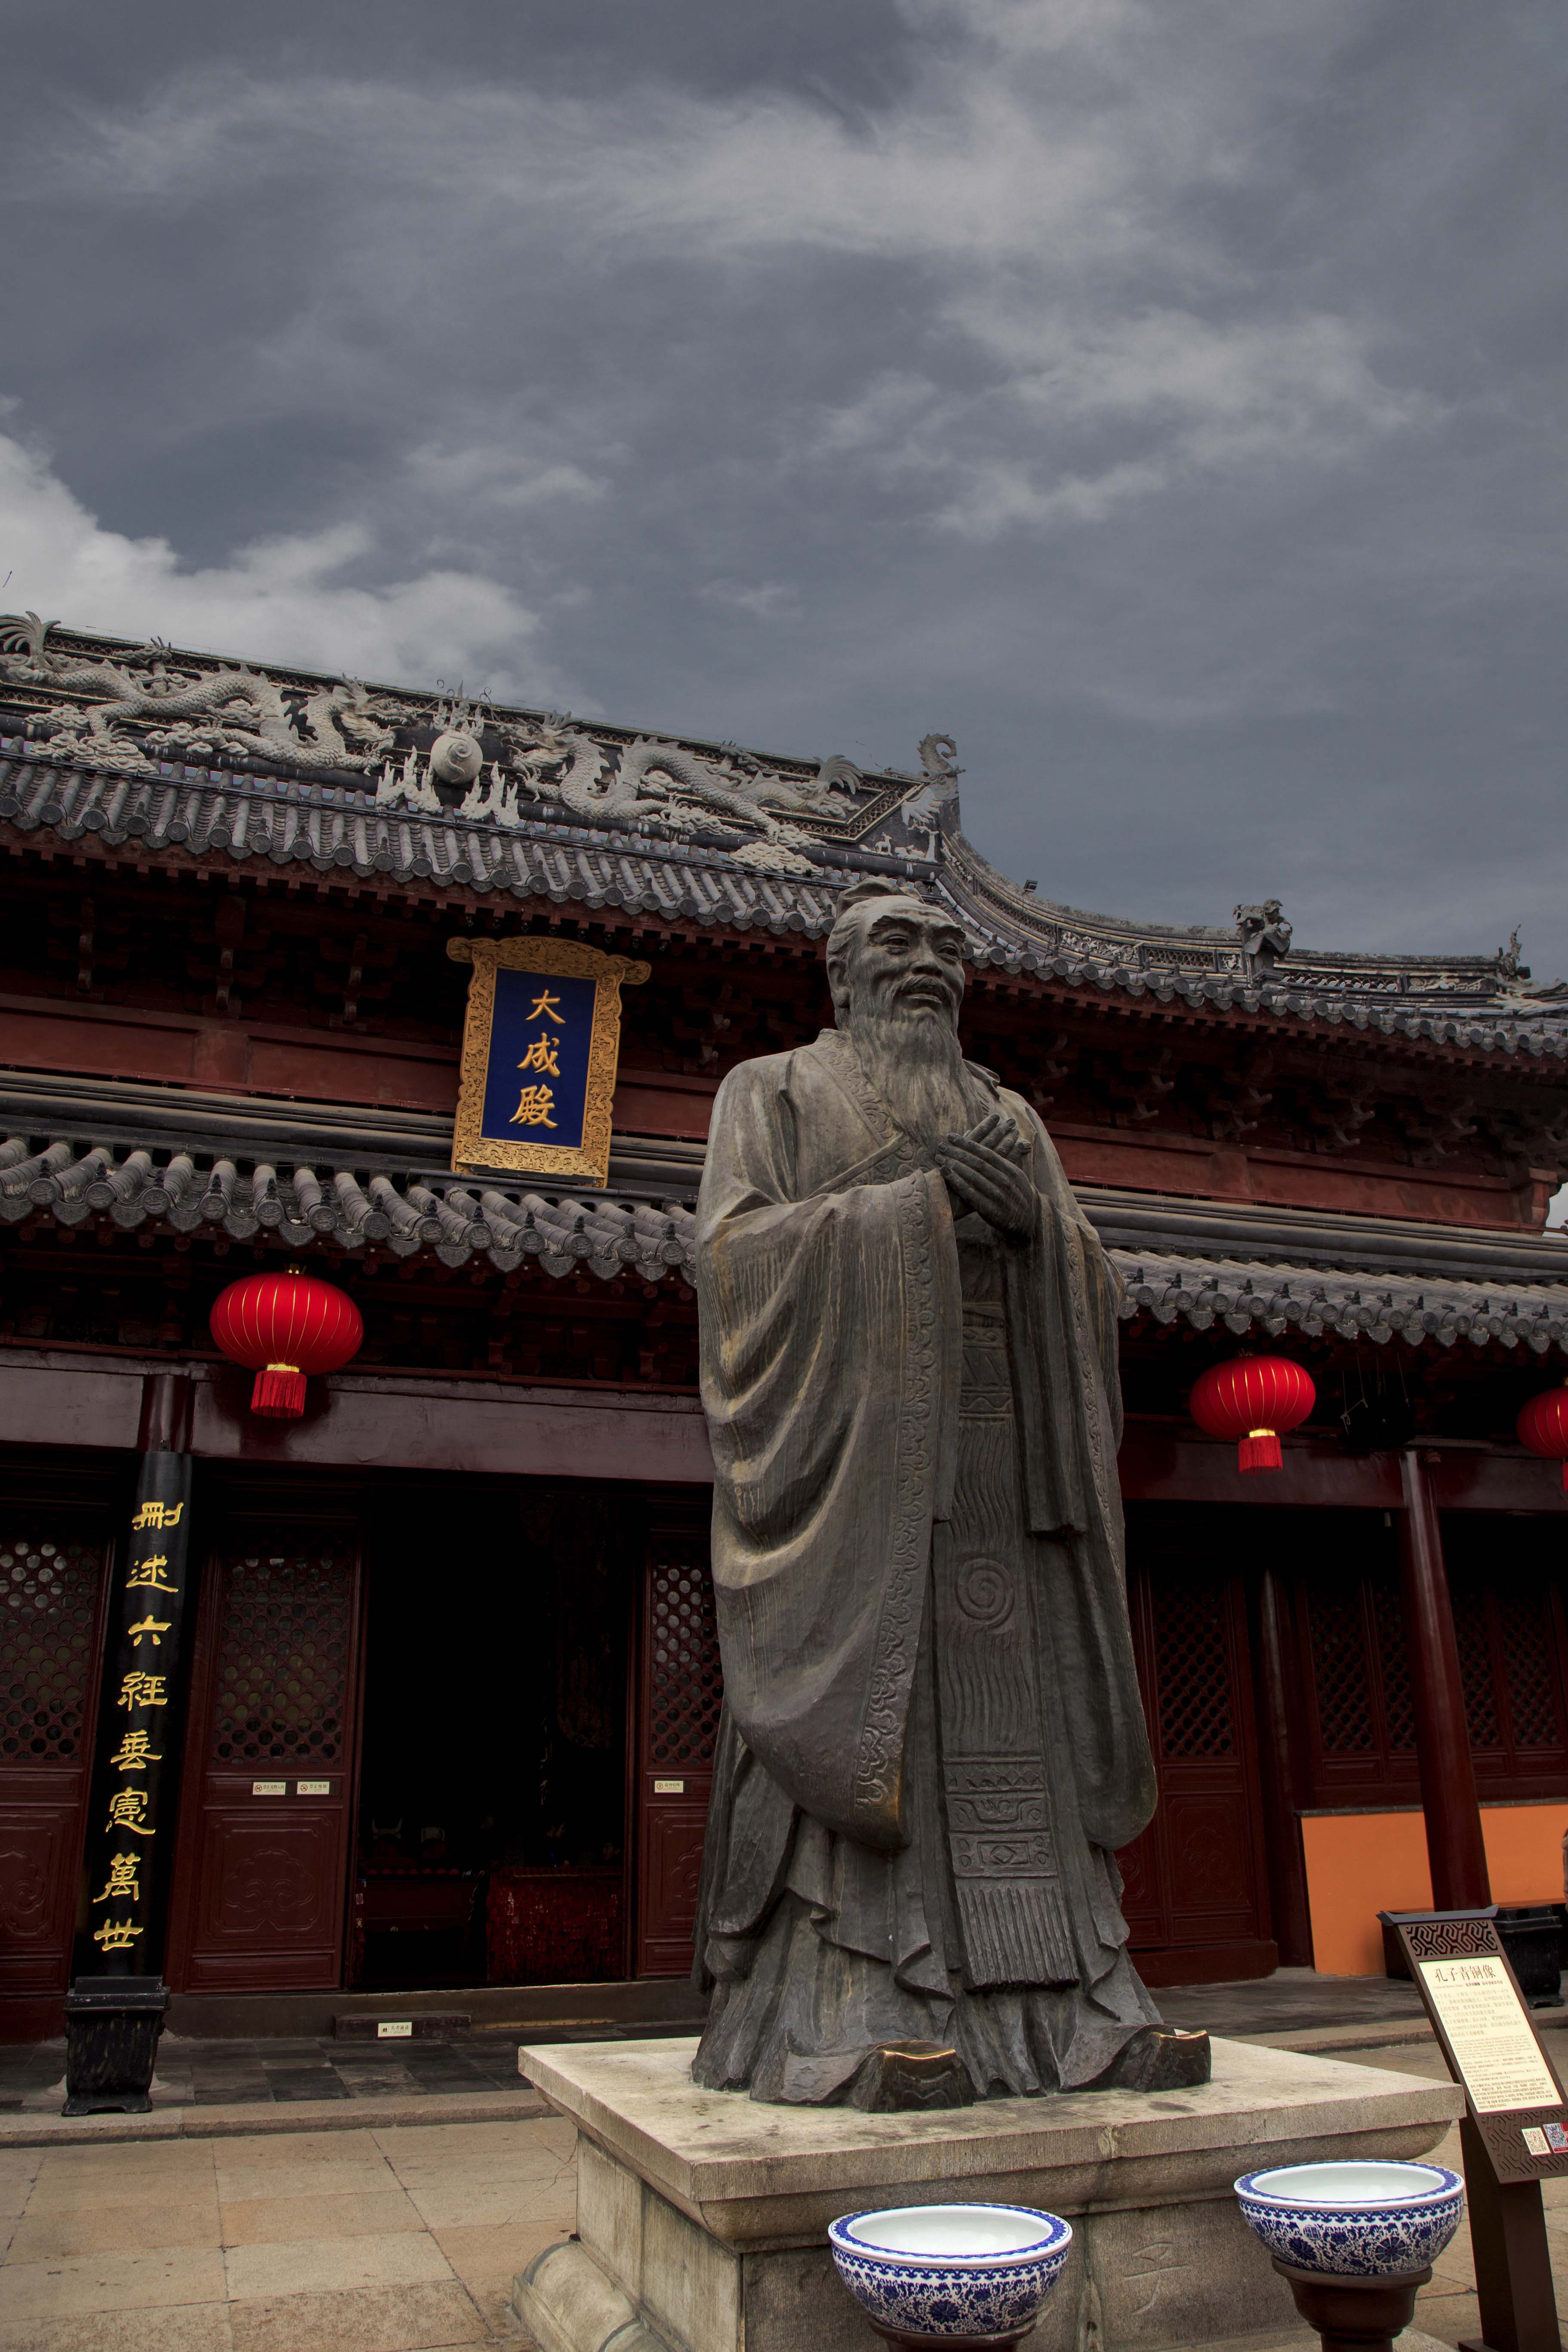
(536, 1102)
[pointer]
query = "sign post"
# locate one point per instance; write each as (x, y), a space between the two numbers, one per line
(114, 2009)
(1514, 2132)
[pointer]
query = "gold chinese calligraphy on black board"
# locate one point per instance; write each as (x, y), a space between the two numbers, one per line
(140, 1732)
(540, 1048)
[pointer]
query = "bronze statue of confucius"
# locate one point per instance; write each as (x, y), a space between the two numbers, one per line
(933, 1744)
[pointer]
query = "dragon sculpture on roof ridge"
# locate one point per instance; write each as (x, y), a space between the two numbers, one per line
(661, 785)
(148, 704)
(238, 708)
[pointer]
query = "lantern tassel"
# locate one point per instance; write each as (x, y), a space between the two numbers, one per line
(278, 1392)
(1260, 1450)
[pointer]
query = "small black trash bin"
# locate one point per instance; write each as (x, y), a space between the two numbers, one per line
(1532, 1936)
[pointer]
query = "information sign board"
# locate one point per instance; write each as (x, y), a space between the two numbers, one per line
(1499, 2057)
(1489, 2038)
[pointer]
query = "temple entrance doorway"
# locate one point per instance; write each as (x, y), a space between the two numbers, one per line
(492, 1842)
(1196, 1897)
(412, 1744)
(266, 1817)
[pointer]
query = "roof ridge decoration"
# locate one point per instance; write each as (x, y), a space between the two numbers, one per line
(652, 784)
(128, 709)
(195, 751)
(1003, 912)
(230, 706)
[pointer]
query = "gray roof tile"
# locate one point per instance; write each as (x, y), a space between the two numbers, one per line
(337, 1203)
(350, 816)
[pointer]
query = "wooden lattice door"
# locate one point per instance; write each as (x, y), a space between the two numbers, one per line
(1197, 1893)
(52, 1594)
(261, 1888)
(1358, 1710)
(1510, 1632)
(682, 1687)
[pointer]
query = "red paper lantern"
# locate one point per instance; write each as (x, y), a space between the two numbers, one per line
(283, 1326)
(1252, 1399)
(1543, 1427)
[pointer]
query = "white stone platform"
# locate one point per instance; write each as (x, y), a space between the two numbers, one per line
(702, 2216)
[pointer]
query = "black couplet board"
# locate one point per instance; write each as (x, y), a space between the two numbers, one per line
(1489, 2041)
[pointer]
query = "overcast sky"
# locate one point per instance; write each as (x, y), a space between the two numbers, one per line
(1166, 400)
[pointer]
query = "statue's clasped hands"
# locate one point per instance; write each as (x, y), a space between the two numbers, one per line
(987, 1170)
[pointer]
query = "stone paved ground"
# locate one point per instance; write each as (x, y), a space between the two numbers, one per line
(1294, 2006)
(202, 2071)
(1292, 2001)
(357, 2241)
(403, 2236)
(371, 2240)
(205, 2073)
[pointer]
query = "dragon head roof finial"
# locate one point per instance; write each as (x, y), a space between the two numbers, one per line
(938, 759)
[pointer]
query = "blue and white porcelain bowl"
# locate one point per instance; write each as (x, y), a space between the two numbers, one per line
(1356, 2221)
(950, 2270)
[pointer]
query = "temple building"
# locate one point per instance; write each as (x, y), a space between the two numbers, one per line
(441, 1714)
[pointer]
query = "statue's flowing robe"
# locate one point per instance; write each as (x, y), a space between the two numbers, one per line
(933, 1742)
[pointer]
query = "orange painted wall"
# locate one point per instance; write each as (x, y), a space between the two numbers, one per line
(1360, 1863)
(1524, 1852)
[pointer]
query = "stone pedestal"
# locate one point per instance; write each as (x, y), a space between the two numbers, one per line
(702, 2216)
(112, 2025)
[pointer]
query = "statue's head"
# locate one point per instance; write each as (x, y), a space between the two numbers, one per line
(895, 964)
(892, 958)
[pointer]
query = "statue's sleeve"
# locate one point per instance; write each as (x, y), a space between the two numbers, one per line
(830, 1342)
(1062, 1296)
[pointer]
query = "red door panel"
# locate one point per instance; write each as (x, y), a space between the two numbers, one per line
(35, 1877)
(53, 1589)
(1196, 1897)
(260, 1895)
(270, 1897)
(672, 1871)
(1211, 1862)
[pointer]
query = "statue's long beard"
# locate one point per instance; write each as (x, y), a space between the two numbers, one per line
(911, 1058)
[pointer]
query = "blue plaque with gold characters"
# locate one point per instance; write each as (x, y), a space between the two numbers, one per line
(540, 1048)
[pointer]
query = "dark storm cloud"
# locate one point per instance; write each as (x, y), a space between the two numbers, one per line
(1164, 398)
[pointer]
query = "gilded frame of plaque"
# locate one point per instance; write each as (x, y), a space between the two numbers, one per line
(477, 1153)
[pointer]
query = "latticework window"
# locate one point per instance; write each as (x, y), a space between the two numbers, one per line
(283, 1657)
(1503, 1586)
(1394, 1667)
(686, 1683)
(1525, 1624)
(1340, 1671)
(1476, 1668)
(48, 1611)
(1192, 1669)
(1505, 1625)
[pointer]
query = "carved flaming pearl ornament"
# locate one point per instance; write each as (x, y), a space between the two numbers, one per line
(457, 756)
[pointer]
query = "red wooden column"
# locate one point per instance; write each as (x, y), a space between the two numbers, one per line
(1454, 1843)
